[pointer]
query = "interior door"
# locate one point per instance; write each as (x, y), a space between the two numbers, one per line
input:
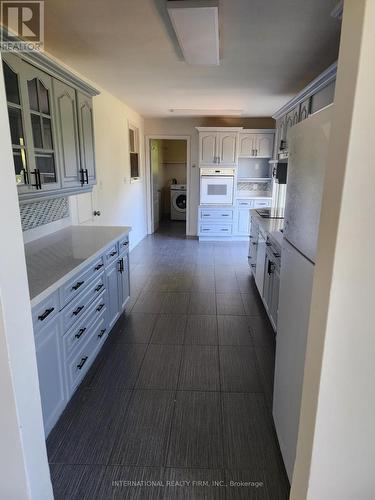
(155, 151)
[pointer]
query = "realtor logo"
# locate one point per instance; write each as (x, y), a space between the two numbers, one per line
(22, 26)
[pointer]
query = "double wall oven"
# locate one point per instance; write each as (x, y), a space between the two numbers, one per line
(217, 186)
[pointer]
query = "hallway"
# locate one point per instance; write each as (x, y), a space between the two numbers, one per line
(182, 391)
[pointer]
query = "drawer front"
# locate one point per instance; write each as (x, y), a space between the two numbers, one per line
(111, 254)
(79, 364)
(43, 312)
(262, 203)
(79, 332)
(224, 214)
(123, 244)
(77, 284)
(215, 229)
(78, 307)
(245, 203)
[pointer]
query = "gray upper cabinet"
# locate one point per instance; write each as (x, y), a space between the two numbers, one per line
(52, 130)
(86, 136)
(67, 126)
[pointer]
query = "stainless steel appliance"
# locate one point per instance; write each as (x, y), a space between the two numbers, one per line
(308, 147)
(217, 186)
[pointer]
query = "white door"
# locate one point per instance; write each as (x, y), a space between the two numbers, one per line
(227, 148)
(208, 148)
(264, 145)
(292, 325)
(155, 192)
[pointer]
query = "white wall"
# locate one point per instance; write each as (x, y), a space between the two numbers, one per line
(336, 444)
(24, 469)
(122, 202)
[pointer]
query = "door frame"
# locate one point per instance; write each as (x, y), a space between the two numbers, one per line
(149, 203)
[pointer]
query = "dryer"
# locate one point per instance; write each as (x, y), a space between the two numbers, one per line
(178, 202)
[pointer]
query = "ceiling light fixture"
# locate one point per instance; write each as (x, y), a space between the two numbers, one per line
(196, 24)
(206, 112)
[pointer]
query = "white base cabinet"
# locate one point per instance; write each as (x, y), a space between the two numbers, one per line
(72, 324)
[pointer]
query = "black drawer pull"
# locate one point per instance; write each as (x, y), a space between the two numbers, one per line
(77, 285)
(80, 333)
(268, 244)
(82, 362)
(78, 310)
(102, 332)
(98, 288)
(100, 307)
(46, 313)
(112, 254)
(225, 215)
(99, 266)
(125, 244)
(276, 254)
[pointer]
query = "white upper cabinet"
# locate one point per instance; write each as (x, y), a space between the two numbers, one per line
(256, 144)
(227, 148)
(218, 146)
(208, 148)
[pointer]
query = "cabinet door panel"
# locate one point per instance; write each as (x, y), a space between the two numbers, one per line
(208, 146)
(264, 145)
(112, 294)
(228, 148)
(243, 226)
(275, 296)
(86, 136)
(67, 127)
(124, 283)
(246, 145)
(51, 374)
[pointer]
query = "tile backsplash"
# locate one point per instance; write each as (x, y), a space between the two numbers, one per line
(39, 213)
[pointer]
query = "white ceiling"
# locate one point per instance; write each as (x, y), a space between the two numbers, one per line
(269, 50)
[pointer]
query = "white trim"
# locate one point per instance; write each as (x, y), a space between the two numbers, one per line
(149, 205)
(219, 129)
(312, 88)
(257, 131)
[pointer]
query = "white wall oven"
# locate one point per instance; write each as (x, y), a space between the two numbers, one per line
(217, 186)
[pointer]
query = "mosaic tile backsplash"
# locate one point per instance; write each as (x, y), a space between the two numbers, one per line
(38, 213)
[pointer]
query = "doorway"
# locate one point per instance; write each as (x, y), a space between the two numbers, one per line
(168, 196)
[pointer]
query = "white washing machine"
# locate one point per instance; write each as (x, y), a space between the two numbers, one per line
(178, 201)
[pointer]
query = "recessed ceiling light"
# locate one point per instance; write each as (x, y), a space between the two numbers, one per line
(196, 24)
(206, 112)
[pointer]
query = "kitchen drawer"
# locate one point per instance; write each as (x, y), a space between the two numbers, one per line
(79, 282)
(224, 214)
(78, 334)
(79, 364)
(245, 203)
(215, 229)
(262, 203)
(111, 254)
(43, 312)
(78, 307)
(123, 244)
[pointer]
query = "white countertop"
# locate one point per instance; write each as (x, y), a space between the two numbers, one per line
(55, 258)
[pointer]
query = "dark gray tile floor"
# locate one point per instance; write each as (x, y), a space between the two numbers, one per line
(178, 403)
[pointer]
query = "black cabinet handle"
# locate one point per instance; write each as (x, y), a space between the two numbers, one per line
(82, 179)
(100, 307)
(98, 288)
(253, 265)
(276, 254)
(80, 333)
(125, 244)
(99, 266)
(38, 183)
(112, 254)
(82, 362)
(78, 310)
(46, 313)
(121, 265)
(25, 176)
(268, 243)
(77, 285)
(102, 332)
(86, 173)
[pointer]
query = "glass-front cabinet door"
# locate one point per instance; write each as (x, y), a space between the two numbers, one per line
(29, 97)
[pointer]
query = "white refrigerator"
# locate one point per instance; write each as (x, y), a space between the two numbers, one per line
(308, 147)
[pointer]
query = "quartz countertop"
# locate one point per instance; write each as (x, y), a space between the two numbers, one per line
(271, 227)
(55, 258)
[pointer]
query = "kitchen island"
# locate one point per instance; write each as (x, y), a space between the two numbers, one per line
(79, 285)
(265, 259)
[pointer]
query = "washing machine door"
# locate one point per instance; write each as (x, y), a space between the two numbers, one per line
(179, 202)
